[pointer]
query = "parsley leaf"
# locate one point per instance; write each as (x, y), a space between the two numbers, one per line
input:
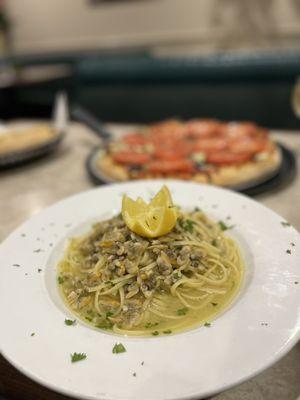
(285, 224)
(155, 333)
(214, 304)
(60, 280)
(225, 227)
(176, 275)
(70, 322)
(118, 348)
(167, 332)
(289, 251)
(214, 242)
(207, 324)
(109, 314)
(32, 334)
(188, 225)
(182, 311)
(77, 357)
(150, 324)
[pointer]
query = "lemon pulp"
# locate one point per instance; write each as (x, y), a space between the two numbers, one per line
(150, 220)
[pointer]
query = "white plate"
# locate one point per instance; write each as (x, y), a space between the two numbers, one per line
(257, 330)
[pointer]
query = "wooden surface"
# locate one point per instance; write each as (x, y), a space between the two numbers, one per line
(25, 191)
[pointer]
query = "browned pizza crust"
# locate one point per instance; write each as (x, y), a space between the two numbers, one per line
(228, 176)
(238, 175)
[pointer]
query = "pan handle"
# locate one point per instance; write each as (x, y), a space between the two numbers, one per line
(81, 115)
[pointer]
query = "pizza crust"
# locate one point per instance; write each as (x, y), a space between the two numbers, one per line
(238, 175)
(227, 176)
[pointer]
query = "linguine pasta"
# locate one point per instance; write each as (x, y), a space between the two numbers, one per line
(114, 279)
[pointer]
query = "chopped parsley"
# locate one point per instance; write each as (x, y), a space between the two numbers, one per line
(182, 311)
(288, 251)
(109, 314)
(90, 319)
(150, 325)
(70, 322)
(296, 282)
(77, 357)
(285, 224)
(292, 244)
(176, 275)
(142, 363)
(188, 225)
(196, 209)
(60, 280)
(37, 250)
(214, 242)
(167, 332)
(16, 265)
(39, 269)
(118, 348)
(155, 333)
(32, 334)
(225, 227)
(214, 304)
(134, 374)
(207, 324)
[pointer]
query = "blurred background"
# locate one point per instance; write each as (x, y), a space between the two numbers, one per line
(143, 60)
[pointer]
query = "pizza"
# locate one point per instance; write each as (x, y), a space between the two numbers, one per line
(208, 151)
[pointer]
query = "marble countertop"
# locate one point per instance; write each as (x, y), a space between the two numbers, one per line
(26, 190)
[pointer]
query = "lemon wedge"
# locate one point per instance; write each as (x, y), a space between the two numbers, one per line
(150, 220)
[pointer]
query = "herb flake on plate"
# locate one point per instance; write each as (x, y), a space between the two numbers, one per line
(70, 322)
(78, 357)
(225, 227)
(118, 348)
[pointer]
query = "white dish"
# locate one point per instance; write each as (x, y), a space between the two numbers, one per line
(256, 331)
